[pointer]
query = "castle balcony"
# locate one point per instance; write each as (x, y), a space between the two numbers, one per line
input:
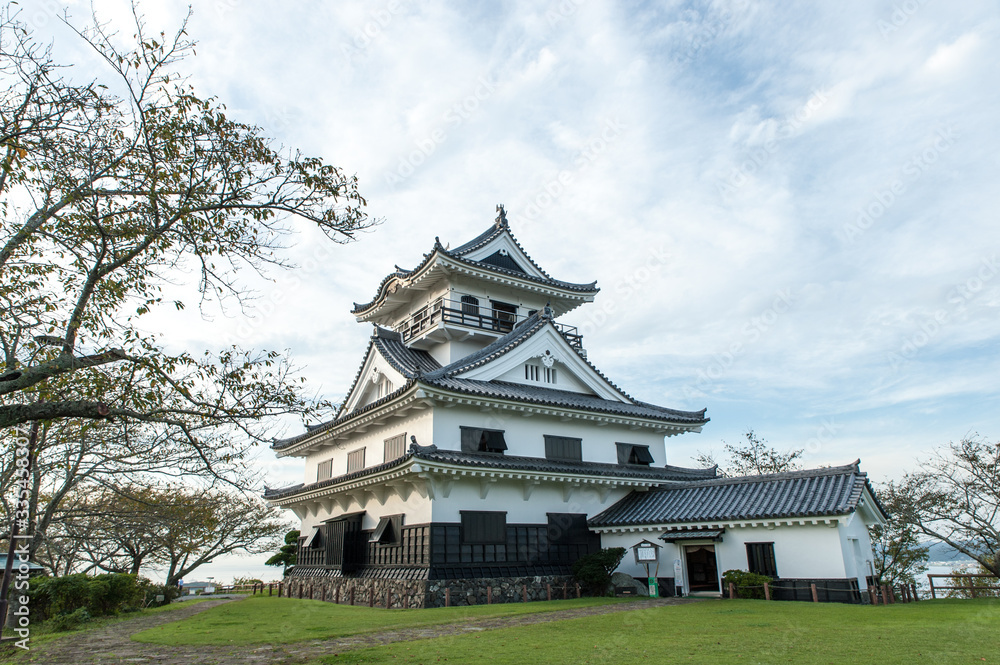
(468, 317)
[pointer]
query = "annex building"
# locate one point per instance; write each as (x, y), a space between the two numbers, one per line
(478, 447)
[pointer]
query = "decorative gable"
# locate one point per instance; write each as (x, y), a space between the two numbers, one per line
(558, 366)
(376, 379)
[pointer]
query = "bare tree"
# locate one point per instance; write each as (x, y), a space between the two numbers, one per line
(753, 458)
(955, 498)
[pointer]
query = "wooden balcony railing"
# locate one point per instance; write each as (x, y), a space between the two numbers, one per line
(471, 315)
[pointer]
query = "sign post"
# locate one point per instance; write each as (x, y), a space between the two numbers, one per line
(647, 552)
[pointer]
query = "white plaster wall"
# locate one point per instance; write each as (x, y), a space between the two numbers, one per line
(508, 495)
(857, 561)
(419, 424)
(525, 435)
(564, 379)
(486, 291)
(810, 551)
(417, 510)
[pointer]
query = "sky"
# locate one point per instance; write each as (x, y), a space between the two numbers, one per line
(786, 205)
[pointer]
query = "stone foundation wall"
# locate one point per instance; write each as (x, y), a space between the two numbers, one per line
(403, 594)
(495, 590)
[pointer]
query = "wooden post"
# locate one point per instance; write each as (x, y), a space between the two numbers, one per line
(815, 595)
(489, 595)
(577, 589)
(300, 590)
(406, 601)
(336, 595)
(916, 594)
(885, 595)
(972, 586)
(524, 592)
(371, 595)
(388, 598)
(352, 595)
(892, 595)
(270, 588)
(930, 580)
(447, 596)
(548, 591)
(732, 591)
(767, 591)
(565, 591)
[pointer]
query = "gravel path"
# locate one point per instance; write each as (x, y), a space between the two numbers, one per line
(112, 646)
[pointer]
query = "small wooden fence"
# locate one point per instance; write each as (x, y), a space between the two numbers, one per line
(969, 588)
(887, 594)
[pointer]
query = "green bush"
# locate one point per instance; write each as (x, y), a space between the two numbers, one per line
(150, 590)
(99, 595)
(594, 570)
(70, 621)
(748, 585)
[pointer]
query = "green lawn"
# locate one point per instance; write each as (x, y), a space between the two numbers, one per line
(273, 620)
(42, 632)
(736, 631)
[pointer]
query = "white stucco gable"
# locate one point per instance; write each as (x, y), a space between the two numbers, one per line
(376, 378)
(546, 349)
(505, 245)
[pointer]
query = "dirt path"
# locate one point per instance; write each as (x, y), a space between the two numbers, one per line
(112, 646)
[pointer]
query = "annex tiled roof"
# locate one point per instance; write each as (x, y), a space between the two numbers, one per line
(459, 255)
(509, 463)
(814, 492)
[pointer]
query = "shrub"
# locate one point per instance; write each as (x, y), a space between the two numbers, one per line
(594, 570)
(99, 595)
(70, 621)
(748, 585)
(150, 590)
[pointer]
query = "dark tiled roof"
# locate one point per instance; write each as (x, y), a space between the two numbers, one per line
(510, 463)
(692, 534)
(459, 255)
(814, 492)
(542, 465)
(420, 367)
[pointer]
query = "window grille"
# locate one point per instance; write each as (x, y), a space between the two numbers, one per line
(395, 447)
(563, 448)
(484, 528)
(760, 559)
(325, 470)
(356, 460)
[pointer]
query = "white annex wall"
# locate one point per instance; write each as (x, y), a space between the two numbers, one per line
(800, 551)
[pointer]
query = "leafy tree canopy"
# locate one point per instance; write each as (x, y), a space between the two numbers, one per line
(102, 198)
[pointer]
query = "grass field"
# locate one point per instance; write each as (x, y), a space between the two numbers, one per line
(732, 631)
(272, 620)
(42, 632)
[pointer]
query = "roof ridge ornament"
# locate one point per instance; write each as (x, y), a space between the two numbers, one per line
(501, 220)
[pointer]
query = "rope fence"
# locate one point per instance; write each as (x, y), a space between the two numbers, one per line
(884, 594)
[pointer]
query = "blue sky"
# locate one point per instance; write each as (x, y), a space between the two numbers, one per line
(787, 205)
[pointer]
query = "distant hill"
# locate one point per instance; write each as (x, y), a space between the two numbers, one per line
(943, 552)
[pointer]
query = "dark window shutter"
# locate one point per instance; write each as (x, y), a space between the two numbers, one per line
(760, 559)
(477, 440)
(563, 448)
(630, 453)
(568, 529)
(484, 528)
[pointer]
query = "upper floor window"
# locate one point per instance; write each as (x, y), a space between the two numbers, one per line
(478, 440)
(470, 305)
(563, 448)
(384, 387)
(325, 470)
(395, 447)
(504, 315)
(356, 460)
(631, 453)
